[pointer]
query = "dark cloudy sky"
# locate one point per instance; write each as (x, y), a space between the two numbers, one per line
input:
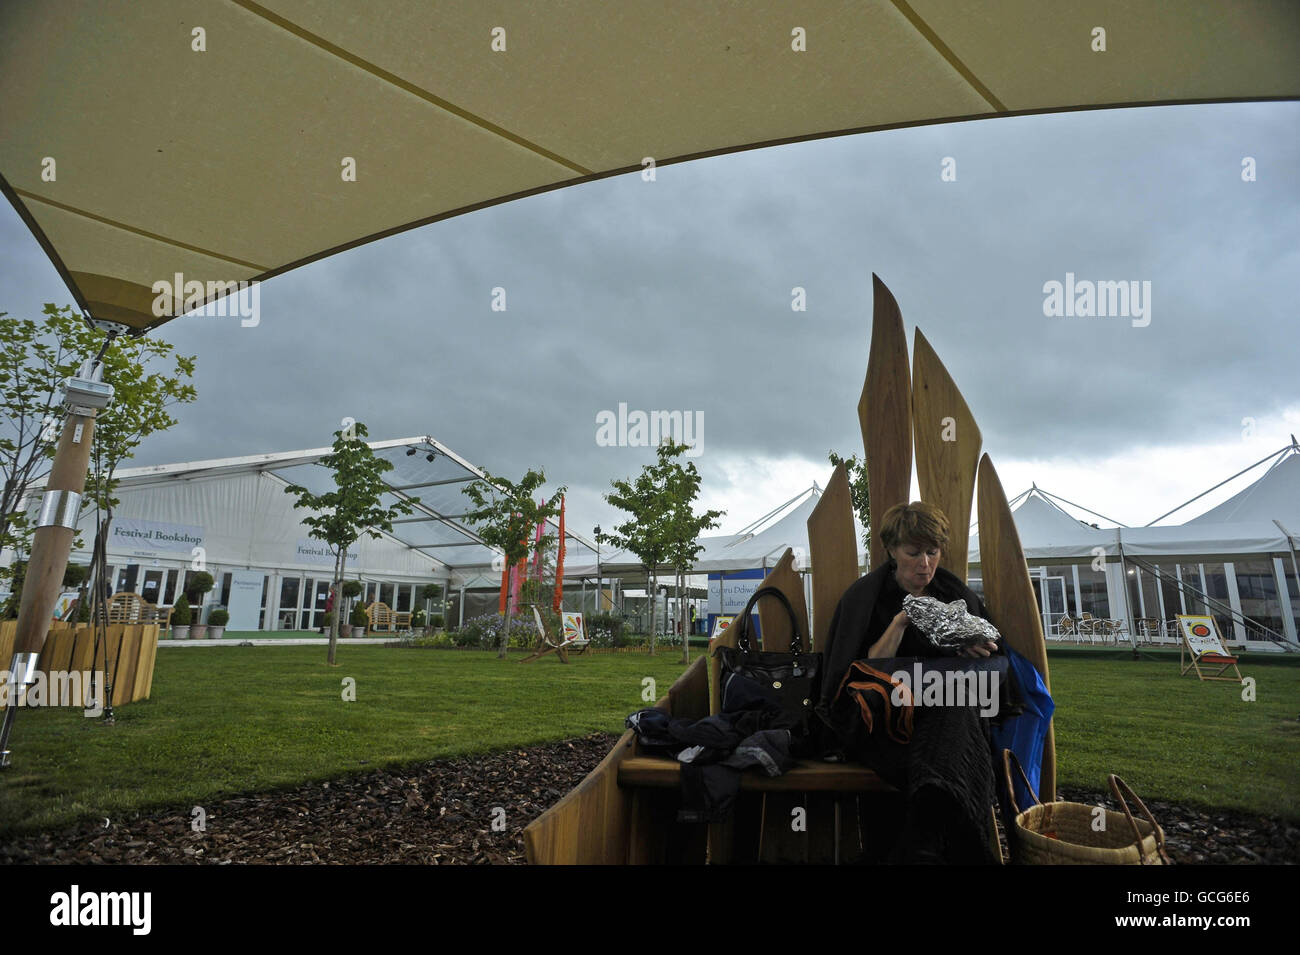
(676, 295)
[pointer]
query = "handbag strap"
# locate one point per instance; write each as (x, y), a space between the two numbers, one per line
(742, 633)
(1115, 784)
(1008, 757)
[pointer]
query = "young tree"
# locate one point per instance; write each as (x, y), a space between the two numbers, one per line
(354, 508)
(659, 502)
(684, 526)
(506, 516)
(859, 490)
(35, 359)
(142, 395)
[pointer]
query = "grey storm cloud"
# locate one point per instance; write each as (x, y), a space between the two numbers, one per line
(676, 295)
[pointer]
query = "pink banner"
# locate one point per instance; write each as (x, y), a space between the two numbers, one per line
(559, 565)
(537, 549)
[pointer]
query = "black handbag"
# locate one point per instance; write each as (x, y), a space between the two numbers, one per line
(793, 679)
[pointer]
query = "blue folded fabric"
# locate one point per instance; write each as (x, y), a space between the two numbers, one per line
(1026, 734)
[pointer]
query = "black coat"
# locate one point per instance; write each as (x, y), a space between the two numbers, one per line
(949, 751)
(851, 633)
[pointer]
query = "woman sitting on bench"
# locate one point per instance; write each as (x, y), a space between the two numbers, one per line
(944, 771)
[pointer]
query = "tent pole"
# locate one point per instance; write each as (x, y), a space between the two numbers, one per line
(1225, 481)
(1290, 542)
(1123, 583)
(85, 396)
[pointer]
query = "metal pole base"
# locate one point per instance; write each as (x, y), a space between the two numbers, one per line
(22, 674)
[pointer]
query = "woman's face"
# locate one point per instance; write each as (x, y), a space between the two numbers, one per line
(916, 564)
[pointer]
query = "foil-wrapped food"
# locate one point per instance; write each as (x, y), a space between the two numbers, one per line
(950, 626)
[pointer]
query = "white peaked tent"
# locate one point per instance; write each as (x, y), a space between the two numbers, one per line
(1274, 497)
(758, 545)
(1258, 520)
(1048, 532)
(1256, 523)
(1261, 519)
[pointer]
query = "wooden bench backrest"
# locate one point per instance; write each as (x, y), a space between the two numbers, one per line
(126, 608)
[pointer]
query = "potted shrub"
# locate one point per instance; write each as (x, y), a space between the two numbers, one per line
(436, 621)
(417, 619)
(327, 621)
(217, 622)
(351, 591)
(181, 619)
(200, 584)
(360, 619)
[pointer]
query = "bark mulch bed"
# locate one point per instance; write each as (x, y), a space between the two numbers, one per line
(473, 810)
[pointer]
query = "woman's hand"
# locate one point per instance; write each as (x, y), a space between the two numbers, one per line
(985, 649)
(887, 645)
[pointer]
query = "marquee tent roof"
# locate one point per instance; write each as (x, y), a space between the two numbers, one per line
(1275, 496)
(1256, 520)
(259, 525)
(149, 139)
(1048, 531)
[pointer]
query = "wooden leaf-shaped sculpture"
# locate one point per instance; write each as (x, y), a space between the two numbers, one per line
(1009, 595)
(834, 545)
(885, 413)
(947, 449)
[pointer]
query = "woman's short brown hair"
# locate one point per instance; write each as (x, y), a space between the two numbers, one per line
(915, 523)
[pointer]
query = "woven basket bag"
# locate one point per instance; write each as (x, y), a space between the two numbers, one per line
(1064, 833)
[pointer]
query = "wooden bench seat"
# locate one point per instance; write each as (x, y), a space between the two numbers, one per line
(807, 775)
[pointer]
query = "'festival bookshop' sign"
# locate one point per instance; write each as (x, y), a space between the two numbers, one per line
(318, 552)
(147, 538)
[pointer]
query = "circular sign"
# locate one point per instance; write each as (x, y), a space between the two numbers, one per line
(1200, 630)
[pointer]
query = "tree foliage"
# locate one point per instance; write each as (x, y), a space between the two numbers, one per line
(662, 528)
(354, 507)
(506, 516)
(36, 357)
(859, 490)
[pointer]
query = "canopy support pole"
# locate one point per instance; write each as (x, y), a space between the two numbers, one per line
(85, 396)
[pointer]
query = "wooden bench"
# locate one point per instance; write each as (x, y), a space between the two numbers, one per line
(625, 810)
(807, 775)
(381, 618)
(132, 608)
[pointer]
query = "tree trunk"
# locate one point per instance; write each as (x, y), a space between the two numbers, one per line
(504, 641)
(683, 620)
(654, 610)
(339, 564)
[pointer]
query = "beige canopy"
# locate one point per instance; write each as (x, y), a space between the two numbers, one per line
(219, 142)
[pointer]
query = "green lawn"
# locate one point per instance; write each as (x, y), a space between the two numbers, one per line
(243, 719)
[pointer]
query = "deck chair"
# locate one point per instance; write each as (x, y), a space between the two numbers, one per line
(1202, 646)
(575, 633)
(546, 643)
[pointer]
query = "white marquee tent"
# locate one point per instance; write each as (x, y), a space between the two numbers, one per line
(235, 514)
